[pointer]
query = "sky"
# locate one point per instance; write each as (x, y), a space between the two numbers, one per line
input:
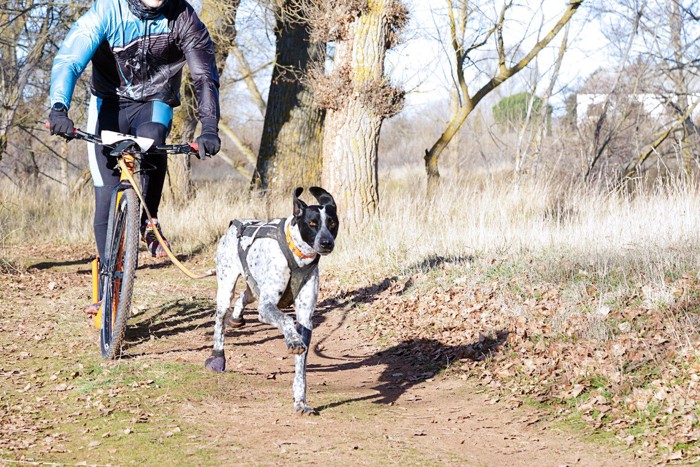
(420, 64)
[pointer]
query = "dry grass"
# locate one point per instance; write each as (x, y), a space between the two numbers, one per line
(489, 217)
(646, 233)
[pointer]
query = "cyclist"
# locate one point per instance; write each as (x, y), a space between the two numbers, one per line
(138, 49)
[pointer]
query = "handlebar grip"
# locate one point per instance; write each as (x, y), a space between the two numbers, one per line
(194, 146)
(75, 134)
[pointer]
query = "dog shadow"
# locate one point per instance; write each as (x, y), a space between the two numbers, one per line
(172, 319)
(182, 316)
(368, 294)
(410, 363)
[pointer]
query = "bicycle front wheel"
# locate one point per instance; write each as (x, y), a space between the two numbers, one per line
(119, 271)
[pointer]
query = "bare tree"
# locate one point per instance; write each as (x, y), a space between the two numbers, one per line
(544, 114)
(26, 29)
(606, 128)
(669, 31)
(358, 97)
(649, 103)
(290, 148)
(470, 33)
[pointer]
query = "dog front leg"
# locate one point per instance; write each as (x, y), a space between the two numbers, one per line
(299, 387)
(268, 313)
(304, 305)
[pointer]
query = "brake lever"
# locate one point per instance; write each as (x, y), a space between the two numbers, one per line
(194, 146)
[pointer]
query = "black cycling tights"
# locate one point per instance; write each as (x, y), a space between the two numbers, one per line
(148, 119)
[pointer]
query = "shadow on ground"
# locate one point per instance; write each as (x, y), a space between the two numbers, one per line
(409, 363)
(403, 365)
(57, 264)
(168, 321)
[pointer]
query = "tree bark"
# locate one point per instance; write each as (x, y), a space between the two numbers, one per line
(351, 134)
(290, 148)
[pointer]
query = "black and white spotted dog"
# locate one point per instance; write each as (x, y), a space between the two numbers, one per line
(279, 260)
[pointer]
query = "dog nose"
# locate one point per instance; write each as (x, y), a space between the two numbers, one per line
(326, 243)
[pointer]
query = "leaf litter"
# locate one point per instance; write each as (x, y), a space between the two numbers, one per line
(623, 370)
(631, 370)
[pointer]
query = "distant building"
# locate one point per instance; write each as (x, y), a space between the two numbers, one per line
(654, 105)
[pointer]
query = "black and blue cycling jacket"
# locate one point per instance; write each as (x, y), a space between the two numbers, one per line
(138, 58)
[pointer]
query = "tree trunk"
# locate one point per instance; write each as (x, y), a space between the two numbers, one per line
(220, 18)
(290, 148)
(350, 162)
(179, 185)
(432, 155)
(351, 134)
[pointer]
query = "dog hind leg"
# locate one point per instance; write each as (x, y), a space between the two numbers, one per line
(234, 318)
(226, 285)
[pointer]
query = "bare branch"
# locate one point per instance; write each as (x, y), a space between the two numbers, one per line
(633, 166)
(502, 74)
(247, 77)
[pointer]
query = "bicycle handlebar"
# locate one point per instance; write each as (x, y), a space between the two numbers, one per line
(189, 148)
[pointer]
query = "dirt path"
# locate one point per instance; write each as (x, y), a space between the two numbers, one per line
(158, 405)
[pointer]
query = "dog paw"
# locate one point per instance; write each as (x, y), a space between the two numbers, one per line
(215, 363)
(302, 409)
(296, 347)
(234, 322)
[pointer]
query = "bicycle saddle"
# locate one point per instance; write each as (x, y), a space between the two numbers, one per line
(112, 137)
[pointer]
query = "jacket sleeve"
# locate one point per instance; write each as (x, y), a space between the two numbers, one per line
(77, 49)
(198, 49)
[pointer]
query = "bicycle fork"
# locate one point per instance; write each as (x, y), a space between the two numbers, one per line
(98, 270)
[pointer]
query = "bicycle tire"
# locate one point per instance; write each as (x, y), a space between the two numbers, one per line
(120, 270)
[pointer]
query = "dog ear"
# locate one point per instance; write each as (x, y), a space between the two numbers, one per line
(299, 205)
(322, 196)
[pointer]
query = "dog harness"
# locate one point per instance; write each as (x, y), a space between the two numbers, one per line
(274, 229)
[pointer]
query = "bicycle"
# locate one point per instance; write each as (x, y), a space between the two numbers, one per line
(113, 276)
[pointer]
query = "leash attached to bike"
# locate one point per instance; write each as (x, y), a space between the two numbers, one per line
(160, 238)
(182, 148)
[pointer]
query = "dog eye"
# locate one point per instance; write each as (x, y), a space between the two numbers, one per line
(331, 224)
(313, 224)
